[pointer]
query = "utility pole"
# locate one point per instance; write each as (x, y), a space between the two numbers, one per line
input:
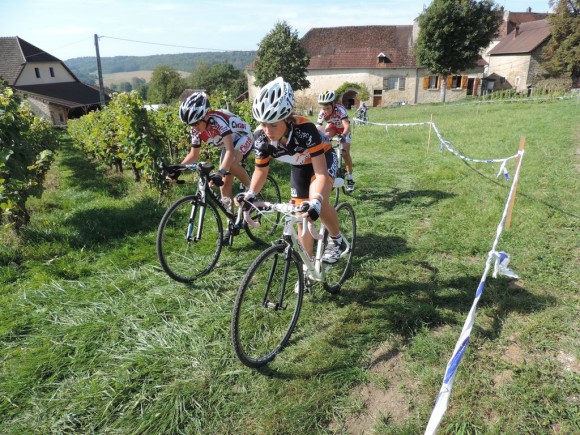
(100, 73)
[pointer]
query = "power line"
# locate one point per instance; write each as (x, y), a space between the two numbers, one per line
(168, 45)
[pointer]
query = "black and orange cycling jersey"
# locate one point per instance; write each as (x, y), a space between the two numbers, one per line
(304, 142)
(221, 123)
(334, 118)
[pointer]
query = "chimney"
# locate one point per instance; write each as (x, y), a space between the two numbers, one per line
(529, 9)
(517, 31)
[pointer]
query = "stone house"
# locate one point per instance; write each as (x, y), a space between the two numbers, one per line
(53, 91)
(514, 63)
(378, 57)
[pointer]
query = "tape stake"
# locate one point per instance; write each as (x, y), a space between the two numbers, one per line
(508, 220)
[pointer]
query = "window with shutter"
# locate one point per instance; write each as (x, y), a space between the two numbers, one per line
(434, 82)
(455, 82)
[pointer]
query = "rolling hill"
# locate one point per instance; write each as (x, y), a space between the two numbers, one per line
(85, 68)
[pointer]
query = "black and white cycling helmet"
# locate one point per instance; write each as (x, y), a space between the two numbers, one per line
(194, 108)
(326, 97)
(274, 102)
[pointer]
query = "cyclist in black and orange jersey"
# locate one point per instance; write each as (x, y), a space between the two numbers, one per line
(222, 129)
(284, 136)
(337, 124)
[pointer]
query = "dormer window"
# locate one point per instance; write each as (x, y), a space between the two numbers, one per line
(382, 58)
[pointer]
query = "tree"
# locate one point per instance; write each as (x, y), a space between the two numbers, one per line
(563, 51)
(166, 85)
(452, 34)
(280, 54)
(219, 78)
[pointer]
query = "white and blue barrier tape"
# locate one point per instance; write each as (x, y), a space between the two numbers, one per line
(500, 261)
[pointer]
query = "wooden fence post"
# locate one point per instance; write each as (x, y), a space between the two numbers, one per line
(508, 220)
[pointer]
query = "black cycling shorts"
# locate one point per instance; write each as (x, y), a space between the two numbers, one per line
(301, 176)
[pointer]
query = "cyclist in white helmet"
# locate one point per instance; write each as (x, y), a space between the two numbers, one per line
(287, 137)
(222, 129)
(337, 124)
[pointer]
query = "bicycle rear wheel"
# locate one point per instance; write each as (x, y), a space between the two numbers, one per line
(337, 273)
(185, 250)
(266, 308)
(270, 225)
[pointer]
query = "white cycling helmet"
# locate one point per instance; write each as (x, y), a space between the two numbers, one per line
(274, 102)
(326, 97)
(194, 108)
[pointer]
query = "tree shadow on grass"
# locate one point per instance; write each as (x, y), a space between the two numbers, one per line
(397, 197)
(106, 224)
(402, 308)
(92, 176)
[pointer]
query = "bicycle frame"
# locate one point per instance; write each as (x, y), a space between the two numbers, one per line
(314, 266)
(203, 191)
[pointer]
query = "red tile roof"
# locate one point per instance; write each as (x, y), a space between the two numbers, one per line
(513, 19)
(524, 39)
(359, 47)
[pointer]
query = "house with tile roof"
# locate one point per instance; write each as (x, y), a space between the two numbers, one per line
(515, 62)
(53, 91)
(378, 57)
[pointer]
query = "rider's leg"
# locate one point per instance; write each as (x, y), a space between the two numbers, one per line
(237, 171)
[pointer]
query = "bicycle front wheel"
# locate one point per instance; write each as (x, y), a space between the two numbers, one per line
(270, 225)
(267, 306)
(337, 273)
(189, 239)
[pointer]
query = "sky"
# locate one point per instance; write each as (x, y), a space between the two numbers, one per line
(66, 29)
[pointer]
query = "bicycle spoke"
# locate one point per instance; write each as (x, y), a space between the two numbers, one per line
(338, 272)
(186, 250)
(266, 308)
(270, 226)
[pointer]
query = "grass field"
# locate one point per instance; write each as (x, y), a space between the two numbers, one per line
(94, 338)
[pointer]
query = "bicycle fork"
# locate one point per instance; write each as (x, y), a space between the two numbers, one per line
(279, 304)
(192, 217)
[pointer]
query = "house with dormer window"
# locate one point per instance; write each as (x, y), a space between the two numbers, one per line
(378, 57)
(53, 91)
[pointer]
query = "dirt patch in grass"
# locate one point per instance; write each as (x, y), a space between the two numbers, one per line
(388, 397)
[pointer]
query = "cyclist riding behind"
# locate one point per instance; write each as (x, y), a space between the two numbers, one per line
(287, 137)
(361, 112)
(222, 129)
(337, 124)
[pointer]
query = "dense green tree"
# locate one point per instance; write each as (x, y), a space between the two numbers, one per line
(165, 86)
(563, 51)
(280, 54)
(452, 34)
(219, 78)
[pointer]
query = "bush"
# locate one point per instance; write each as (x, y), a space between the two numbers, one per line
(27, 146)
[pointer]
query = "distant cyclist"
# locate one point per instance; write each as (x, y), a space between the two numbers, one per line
(337, 124)
(287, 137)
(222, 129)
(361, 112)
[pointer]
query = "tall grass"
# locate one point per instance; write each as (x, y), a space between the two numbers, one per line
(96, 339)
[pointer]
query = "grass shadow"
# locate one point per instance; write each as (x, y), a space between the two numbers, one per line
(89, 175)
(104, 224)
(403, 308)
(397, 197)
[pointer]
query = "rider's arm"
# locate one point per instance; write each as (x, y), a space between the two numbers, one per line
(192, 156)
(229, 156)
(258, 178)
(346, 126)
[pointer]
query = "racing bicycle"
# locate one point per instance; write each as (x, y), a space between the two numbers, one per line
(340, 179)
(191, 234)
(269, 299)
